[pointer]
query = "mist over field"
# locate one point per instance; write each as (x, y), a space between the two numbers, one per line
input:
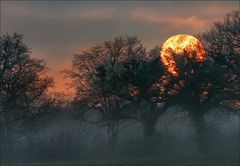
(67, 139)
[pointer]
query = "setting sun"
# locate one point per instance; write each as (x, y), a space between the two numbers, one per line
(178, 45)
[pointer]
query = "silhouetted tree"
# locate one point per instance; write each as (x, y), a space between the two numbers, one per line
(118, 78)
(23, 84)
(222, 46)
(210, 84)
(222, 41)
(192, 91)
(147, 93)
(98, 78)
(198, 88)
(141, 79)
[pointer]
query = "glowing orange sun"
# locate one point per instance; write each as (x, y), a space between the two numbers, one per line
(179, 45)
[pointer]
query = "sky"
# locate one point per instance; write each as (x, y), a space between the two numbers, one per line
(56, 30)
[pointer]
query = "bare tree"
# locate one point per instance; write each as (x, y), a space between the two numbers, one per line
(215, 82)
(145, 79)
(222, 41)
(23, 83)
(222, 46)
(121, 80)
(98, 78)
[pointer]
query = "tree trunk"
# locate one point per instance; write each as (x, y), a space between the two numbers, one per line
(4, 144)
(113, 133)
(201, 132)
(148, 134)
(149, 125)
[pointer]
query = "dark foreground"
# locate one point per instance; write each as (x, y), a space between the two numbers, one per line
(152, 161)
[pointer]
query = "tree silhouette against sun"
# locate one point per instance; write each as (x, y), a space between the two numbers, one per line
(179, 45)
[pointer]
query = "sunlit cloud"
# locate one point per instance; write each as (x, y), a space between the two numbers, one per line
(171, 22)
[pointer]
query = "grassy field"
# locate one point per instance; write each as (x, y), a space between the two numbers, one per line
(153, 161)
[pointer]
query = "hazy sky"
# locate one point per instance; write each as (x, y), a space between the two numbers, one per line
(56, 30)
